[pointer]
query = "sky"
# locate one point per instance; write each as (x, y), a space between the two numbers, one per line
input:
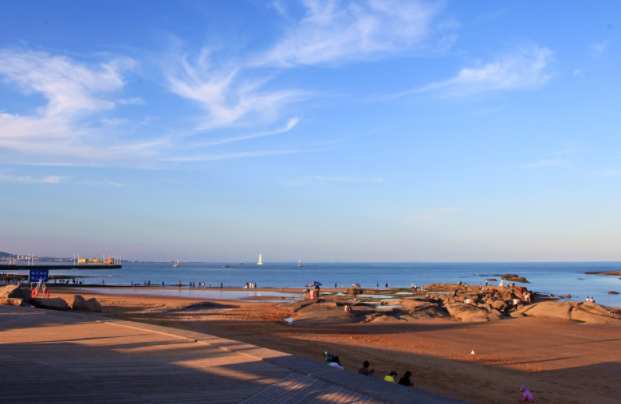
(348, 131)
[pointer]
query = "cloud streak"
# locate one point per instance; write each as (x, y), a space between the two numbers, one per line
(526, 68)
(292, 122)
(333, 31)
(226, 96)
(51, 179)
(65, 130)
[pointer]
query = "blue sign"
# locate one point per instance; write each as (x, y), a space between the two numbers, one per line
(37, 275)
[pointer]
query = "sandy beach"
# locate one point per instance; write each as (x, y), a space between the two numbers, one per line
(558, 360)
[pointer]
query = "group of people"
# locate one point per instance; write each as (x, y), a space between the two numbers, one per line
(590, 300)
(405, 380)
(335, 361)
(250, 285)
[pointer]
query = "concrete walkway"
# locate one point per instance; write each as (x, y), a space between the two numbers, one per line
(58, 357)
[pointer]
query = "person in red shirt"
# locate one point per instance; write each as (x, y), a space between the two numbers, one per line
(364, 370)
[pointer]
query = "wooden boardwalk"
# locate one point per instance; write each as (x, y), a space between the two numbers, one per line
(60, 357)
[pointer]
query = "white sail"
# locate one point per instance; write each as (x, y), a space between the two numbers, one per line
(300, 263)
(260, 260)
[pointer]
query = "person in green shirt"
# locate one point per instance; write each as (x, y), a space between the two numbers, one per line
(391, 377)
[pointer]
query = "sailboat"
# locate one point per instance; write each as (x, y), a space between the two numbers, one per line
(300, 263)
(176, 264)
(260, 260)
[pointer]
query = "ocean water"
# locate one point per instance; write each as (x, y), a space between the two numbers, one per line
(552, 278)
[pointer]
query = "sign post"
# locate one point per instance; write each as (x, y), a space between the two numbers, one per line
(37, 275)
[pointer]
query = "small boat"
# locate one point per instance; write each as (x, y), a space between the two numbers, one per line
(300, 263)
(241, 263)
(176, 264)
(226, 266)
(260, 260)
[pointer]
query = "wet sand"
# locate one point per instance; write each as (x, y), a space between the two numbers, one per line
(559, 361)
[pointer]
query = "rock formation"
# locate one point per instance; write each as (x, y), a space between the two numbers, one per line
(56, 303)
(79, 303)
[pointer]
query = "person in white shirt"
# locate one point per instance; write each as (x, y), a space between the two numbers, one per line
(336, 363)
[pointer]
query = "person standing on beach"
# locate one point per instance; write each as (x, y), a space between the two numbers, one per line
(386, 286)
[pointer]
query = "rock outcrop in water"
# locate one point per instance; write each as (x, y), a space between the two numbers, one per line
(514, 278)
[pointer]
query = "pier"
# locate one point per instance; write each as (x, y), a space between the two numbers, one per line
(7, 267)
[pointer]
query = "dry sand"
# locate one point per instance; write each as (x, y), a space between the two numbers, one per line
(559, 361)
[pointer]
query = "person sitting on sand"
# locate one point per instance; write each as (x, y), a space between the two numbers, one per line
(391, 377)
(405, 380)
(336, 362)
(527, 396)
(372, 373)
(364, 370)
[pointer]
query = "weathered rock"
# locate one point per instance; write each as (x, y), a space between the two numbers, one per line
(471, 314)
(548, 310)
(79, 303)
(568, 296)
(23, 293)
(500, 305)
(592, 313)
(6, 291)
(420, 309)
(56, 303)
(612, 292)
(516, 314)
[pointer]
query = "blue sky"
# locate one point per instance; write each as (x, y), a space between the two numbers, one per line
(374, 130)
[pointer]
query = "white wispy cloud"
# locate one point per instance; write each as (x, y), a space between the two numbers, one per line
(323, 180)
(556, 159)
(292, 122)
(526, 68)
(50, 179)
(236, 155)
(599, 48)
(436, 214)
(61, 132)
(69, 87)
(226, 96)
(335, 31)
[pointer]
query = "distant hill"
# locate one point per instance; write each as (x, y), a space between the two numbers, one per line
(5, 255)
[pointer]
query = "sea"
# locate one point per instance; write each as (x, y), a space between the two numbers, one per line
(559, 279)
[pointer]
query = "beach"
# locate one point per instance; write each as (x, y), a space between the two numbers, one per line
(558, 360)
